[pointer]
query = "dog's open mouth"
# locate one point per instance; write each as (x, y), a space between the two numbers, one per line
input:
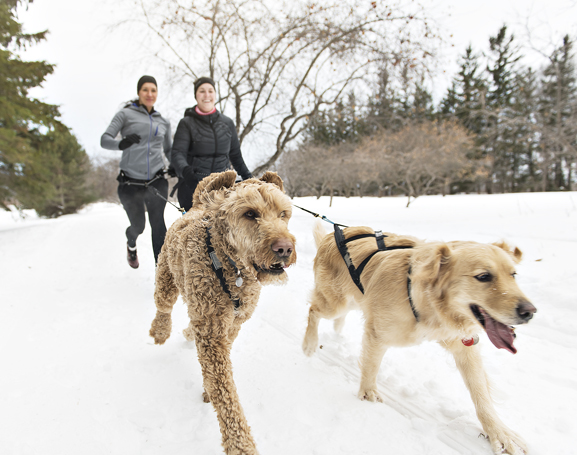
(275, 269)
(501, 335)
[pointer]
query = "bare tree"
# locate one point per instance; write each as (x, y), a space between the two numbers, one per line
(422, 158)
(278, 64)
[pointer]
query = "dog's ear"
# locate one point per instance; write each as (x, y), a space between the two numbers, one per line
(515, 253)
(438, 263)
(272, 177)
(213, 182)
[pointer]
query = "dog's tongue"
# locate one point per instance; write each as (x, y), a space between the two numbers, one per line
(500, 335)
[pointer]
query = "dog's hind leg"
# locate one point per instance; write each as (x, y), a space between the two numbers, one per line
(322, 308)
(470, 365)
(165, 295)
(214, 357)
(372, 354)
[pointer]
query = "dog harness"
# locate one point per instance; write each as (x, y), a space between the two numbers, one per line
(355, 273)
(217, 267)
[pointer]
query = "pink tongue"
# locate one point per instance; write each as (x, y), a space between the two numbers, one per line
(499, 334)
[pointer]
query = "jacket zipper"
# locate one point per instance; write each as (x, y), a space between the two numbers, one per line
(215, 144)
(148, 154)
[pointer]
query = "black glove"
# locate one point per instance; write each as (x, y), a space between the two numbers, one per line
(171, 172)
(128, 141)
(190, 178)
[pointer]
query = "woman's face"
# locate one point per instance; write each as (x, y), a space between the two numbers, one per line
(206, 97)
(147, 95)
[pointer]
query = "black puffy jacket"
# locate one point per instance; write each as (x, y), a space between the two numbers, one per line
(208, 143)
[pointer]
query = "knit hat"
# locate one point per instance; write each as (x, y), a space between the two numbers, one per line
(143, 80)
(203, 80)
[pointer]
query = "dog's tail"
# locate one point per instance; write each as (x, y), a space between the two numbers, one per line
(319, 233)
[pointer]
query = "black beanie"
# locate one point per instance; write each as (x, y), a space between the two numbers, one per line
(143, 80)
(203, 80)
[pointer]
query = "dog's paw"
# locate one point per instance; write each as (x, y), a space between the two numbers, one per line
(309, 347)
(370, 395)
(505, 441)
(161, 327)
(188, 334)
(205, 397)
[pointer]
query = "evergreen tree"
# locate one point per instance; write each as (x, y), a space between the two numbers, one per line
(54, 183)
(342, 123)
(465, 99)
(500, 133)
(42, 166)
(558, 114)
(18, 112)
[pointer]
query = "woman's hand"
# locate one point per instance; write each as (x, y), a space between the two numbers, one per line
(128, 141)
(190, 177)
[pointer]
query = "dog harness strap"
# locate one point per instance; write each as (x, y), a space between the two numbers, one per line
(341, 245)
(356, 272)
(413, 309)
(217, 267)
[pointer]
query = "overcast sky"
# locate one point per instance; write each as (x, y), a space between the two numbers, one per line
(98, 65)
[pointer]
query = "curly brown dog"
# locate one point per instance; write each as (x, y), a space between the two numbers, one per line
(240, 230)
(418, 291)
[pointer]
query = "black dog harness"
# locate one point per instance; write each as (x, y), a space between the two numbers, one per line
(217, 267)
(381, 246)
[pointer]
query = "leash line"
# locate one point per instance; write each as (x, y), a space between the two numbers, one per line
(322, 217)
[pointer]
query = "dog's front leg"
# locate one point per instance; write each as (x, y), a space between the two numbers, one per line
(214, 357)
(470, 365)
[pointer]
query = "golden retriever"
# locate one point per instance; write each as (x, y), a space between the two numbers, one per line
(423, 291)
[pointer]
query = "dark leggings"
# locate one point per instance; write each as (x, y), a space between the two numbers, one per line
(134, 198)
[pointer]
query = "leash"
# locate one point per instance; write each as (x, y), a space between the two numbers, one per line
(147, 185)
(322, 217)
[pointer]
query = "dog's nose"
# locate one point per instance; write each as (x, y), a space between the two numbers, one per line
(525, 310)
(283, 247)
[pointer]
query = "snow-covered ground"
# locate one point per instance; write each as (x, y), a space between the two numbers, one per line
(80, 375)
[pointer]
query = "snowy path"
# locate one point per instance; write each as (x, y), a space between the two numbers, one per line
(81, 376)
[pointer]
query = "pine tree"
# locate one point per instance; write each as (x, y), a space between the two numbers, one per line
(54, 183)
(18, 113)
(500, 134)
(42, 166)
(558, 113)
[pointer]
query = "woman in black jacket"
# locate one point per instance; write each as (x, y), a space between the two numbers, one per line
(205, 142)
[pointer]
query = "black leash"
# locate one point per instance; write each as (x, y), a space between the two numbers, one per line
(147, 184)
(217, 267)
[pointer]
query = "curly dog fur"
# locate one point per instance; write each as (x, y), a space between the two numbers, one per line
(248, 224)
(457, 289)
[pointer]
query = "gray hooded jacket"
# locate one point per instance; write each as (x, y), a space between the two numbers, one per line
(143, 160)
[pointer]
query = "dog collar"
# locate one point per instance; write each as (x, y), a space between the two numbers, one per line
(217, 268)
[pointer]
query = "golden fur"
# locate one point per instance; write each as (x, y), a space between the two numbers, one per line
(446, 280)
(248, 222)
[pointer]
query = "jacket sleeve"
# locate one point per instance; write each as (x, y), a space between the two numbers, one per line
(180, 147)
(108, 140)
(235, 155)
(167, 146)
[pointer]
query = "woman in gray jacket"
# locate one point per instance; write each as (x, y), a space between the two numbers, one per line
(145, 136)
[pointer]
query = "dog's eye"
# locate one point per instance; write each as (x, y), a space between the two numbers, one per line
(282, 215)
(514, 274)
(484, 277)
(251, 215)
